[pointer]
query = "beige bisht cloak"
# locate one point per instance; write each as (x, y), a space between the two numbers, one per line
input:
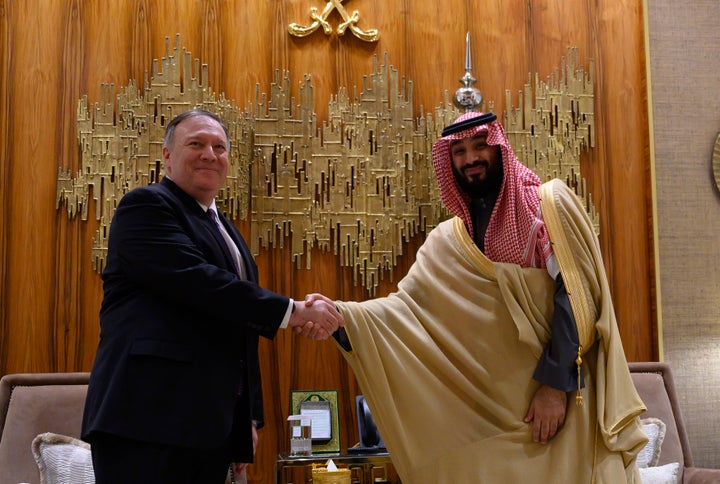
(446, 362)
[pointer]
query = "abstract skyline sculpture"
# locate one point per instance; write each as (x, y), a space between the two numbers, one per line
(360, 185)
(553, 124)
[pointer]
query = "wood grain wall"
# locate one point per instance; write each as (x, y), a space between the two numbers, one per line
(55, 51)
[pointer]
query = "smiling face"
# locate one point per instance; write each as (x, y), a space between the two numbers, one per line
(196, 157)
(476, 164)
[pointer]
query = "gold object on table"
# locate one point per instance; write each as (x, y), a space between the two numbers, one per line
(321, 475)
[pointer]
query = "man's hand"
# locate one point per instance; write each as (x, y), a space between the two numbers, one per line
(547, 413)
(316, 318)
(311, 298)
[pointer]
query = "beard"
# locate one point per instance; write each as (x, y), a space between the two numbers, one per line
(479, 188)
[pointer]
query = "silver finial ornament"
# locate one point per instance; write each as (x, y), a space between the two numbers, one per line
(468, 97)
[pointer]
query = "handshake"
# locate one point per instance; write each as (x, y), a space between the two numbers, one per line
(316, 318)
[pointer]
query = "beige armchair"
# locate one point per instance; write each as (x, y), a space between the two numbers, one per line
(30, 404)
(655, 384)
(37, 403)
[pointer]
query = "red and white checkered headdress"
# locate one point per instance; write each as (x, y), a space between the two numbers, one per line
(516, 233)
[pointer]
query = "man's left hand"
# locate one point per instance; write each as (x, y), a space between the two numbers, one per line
(547, 413)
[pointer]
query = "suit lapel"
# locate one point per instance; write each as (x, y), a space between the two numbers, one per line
(192, 207)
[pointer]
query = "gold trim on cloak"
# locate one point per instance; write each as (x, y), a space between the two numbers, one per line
(583, 310)
(484, 264)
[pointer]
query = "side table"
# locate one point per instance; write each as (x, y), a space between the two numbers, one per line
(364, 468)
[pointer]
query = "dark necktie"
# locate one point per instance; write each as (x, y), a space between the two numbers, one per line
(237, 261)
(234, 251)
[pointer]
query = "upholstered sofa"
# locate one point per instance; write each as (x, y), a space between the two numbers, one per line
(40, 420)
(655, 384)
(34, 404)
(31, 404)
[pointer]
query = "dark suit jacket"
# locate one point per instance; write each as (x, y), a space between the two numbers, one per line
(179, 329)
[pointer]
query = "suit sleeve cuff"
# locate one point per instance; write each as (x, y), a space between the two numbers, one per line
(288, 312)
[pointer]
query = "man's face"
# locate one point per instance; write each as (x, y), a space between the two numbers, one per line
(196, 158)
(477, 165)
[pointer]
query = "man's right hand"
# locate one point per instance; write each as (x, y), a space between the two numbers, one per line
(547, 413)
(316, 317)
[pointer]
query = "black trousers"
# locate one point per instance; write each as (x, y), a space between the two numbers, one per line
(117, 460)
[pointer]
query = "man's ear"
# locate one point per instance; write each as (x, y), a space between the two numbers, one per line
(166, 158)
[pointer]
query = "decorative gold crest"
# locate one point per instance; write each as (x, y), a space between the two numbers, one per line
(320, 20)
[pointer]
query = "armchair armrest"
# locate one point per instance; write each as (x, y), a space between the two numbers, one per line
(699, 475)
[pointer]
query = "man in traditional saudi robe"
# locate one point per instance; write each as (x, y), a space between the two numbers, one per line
(467, 367)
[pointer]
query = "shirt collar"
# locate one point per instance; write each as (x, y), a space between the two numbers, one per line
(211, 207)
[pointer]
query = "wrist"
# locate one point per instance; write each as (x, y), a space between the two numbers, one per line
(294, 319)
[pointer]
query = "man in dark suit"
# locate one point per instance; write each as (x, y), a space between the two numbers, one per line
(175, 392)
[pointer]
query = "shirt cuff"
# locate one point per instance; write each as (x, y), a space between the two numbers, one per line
(288, 312)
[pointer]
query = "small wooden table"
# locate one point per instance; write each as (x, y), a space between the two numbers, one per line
(364, 468)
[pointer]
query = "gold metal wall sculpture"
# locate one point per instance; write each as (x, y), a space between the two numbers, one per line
(554, 123)
(359, 184)
(320, 20)
(121, 140)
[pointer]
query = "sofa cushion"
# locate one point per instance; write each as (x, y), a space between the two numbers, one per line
(62, 459)
(654, 428)
(651, 388)
(667, 474)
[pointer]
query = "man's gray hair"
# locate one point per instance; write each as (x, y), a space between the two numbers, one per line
(170, 130)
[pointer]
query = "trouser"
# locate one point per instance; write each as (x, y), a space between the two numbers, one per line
(117, 460)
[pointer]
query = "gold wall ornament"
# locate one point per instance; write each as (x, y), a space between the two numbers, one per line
(554, 123)
(121, 137)
(361, 184)
(716, 162)
(320, 20)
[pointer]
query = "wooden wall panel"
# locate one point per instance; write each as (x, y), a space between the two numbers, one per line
(55, 52)
(6, 34)
(29, 211)
(619, 172)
